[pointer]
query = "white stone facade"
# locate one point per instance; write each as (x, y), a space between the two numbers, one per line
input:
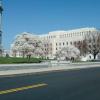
(56, 40)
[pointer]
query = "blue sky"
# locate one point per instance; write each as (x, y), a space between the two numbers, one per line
(43, 16)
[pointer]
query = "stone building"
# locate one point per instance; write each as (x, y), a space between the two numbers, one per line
(56, 40)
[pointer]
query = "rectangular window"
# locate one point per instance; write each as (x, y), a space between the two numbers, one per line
(59, 43)
(56, 44)
(71, 43)
(90, 46)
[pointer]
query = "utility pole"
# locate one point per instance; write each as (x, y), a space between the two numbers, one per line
(1, 10)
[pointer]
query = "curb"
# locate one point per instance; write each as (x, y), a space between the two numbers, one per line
(43, 70)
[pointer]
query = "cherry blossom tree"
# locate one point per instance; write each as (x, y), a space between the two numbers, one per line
(27, 44)
(68, 52)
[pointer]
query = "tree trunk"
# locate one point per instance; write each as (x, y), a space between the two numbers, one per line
(95, 56)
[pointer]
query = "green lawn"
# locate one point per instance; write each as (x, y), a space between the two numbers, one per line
(14, 60)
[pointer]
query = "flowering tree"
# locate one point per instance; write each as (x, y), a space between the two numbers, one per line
(27, 44)
(39, 49)
(68, 52)
(59, 54)
(39, 52)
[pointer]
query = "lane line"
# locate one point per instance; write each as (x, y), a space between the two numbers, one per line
(22, 88)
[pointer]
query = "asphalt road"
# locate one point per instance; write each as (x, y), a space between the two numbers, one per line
(81, 84)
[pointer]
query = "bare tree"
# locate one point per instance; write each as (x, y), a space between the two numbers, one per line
(82, 46)
(90, 44)
(94, 44)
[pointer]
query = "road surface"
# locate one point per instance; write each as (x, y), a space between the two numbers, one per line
(83, 84)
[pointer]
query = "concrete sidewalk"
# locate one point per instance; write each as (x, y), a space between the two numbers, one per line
(45, 63)
(25, 64)
(49, 69)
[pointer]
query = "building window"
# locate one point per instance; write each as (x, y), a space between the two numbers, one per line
(82, 33)
(56, 49)
(94, 46)
(67, 43)
(75, 43)
(63, 43)
(79, 42)
(50, 44)
(59, 47)
(65, 35)
(90, 51)
(71, 43)
(44, 45)
(59, 43)
(56, 44)
(71, 34)
(89, 40)
(90, 46)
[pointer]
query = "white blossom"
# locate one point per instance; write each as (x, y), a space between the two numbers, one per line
(68, 52)
(25, 43)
